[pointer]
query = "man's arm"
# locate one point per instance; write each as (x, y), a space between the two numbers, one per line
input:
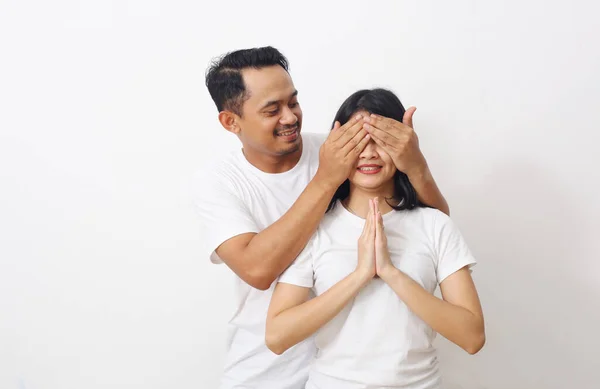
(259, 258)
(400, 141)
(427, 189)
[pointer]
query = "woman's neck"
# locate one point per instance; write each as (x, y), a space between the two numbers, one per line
(358, 200)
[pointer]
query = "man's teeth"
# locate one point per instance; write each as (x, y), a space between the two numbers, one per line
(287, 133)
(369, 169)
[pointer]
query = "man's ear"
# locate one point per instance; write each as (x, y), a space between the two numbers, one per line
(229, 121)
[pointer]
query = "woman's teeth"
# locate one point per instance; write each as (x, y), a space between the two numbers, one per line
(369, 169)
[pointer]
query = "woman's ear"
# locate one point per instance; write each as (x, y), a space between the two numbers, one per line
(229, 121)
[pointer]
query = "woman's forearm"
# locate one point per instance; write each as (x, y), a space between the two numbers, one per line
(457, 324)
(291, 326)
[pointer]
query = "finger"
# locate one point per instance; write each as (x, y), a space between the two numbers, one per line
(376, 218)
(334, 133)
(379, 224)
(384, 136)
(336, 126)
(357, 144)
(408, 117)
(390, 126)
(341, 130)
(383, 144)
(370, 219)
(349, 130)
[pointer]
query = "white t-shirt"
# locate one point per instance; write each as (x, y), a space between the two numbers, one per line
(376, 341)
(233, 197)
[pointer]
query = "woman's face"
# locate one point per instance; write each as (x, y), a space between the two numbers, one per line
(374, 168)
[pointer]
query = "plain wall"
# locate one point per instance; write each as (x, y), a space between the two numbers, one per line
(104, 118)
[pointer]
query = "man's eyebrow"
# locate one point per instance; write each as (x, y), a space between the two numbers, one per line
(276, 102)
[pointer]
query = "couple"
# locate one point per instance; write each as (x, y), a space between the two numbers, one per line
(341, 219)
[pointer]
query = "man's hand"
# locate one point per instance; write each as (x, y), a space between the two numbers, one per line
(399, 140)
(339, 153)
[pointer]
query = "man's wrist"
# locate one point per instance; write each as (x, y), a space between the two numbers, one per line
(419, 174)
(325, 183)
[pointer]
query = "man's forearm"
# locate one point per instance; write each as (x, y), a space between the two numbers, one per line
(427, 189)
(273, 249)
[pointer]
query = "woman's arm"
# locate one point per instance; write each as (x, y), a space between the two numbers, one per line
(458, 317)
(292, 318)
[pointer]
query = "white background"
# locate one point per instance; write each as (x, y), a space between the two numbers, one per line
(104, 118)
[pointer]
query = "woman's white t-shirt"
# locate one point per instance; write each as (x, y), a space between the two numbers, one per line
(376, 341)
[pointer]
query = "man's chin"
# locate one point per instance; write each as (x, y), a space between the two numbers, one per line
(291, 147)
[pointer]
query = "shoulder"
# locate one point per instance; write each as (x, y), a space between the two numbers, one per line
(219, 175)
(427, 216)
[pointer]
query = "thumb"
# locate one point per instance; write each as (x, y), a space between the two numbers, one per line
(408, 115)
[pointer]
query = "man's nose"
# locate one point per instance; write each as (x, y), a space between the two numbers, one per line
(288, 117)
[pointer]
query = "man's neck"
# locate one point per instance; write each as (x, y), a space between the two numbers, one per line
(273, 164)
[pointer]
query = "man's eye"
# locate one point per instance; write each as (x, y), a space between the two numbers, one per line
(294, 105)
(272, 113)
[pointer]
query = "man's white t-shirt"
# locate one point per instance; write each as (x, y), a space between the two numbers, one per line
(233, 197)
(376, 341)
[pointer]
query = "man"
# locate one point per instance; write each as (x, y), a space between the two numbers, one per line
(261, 204)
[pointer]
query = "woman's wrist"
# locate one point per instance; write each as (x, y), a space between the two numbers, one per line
(363, 276)
(389, 273)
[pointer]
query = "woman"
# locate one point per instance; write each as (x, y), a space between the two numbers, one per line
(374, 312)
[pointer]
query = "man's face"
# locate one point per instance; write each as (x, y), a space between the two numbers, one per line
(271, 117)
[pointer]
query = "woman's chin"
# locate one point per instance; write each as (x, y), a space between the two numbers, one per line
(368, 185)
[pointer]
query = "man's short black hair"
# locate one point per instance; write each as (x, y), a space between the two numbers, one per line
(224, 75)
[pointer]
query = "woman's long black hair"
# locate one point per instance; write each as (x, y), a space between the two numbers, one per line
(384, 103)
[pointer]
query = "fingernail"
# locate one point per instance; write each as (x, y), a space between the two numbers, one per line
(358, 117)
(366, 126)
(367, 119)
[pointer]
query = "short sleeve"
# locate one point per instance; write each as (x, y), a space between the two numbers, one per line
(452, 250)
(300, 272)
(223, 214)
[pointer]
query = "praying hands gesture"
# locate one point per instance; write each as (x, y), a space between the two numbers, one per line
(373, 254)
(457, 316)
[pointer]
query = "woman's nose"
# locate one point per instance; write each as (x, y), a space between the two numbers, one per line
(370, 150)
